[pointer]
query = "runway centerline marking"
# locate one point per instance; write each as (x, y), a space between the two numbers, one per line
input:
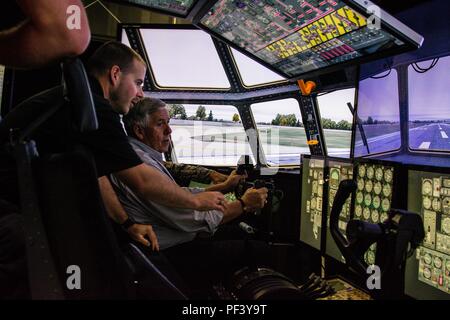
(444, 135)
(425, 145)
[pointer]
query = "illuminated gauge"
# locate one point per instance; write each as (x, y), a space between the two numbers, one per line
(383, 217)
(370, 172)
(359, 197)
(358, 211)
(427, 258)
(427, 273)
(426, 202)
(360, 184)
(313, 203)
(370, 257)
(436, 204)
(437, 262)
(366, 213)
(334, 174)
(369, 186)
(385, 205)
(377, 188)
(362, 171)
(387, 190)
(375, 216)
(367, 199)
(446, 225)
(427, 187)
(379, 174)
(447, 265)
(314, 187)
(388, 175)
(376, 202)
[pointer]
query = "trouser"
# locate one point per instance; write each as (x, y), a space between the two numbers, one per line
(13, 265)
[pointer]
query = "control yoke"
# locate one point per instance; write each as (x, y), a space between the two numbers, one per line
(400, 234)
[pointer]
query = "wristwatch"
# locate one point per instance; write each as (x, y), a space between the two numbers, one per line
(242, 205)
(128, 223)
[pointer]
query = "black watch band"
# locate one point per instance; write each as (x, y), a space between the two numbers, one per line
(128, 223)
(242, 204)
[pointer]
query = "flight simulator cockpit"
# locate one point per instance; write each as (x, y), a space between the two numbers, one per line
(340, 108)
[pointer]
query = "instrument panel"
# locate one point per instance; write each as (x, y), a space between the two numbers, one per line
(312, 201)
(373, 198)
(339, 170)
(428, 272)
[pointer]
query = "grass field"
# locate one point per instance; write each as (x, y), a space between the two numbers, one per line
(206, 142)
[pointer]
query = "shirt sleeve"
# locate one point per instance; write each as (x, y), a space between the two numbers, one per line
(184, 173)
(109, 144)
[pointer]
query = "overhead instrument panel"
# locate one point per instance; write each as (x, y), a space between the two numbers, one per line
(339, 170)
(177, 7)
(428, 270)
(373, 197)
(297, 37)
(313, 171)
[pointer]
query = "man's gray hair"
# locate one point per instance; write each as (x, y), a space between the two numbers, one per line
(140, 113)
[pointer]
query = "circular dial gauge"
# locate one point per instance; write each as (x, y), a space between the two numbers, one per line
(358, 211)
(377, 188)
(388, 175)
(427, 258)
(367, 199)
(370, 172)
(369, 186)
(360, 184)
(366, 213)
(385, 204)
(446, 225)
(334, 174)
(313, 203)
(370, 257)
(383, 217)
(362, 171)
(426, 202)
(427, 273)
(379, 174)
(427, 187)
(359, 197)
(387, 190)
(436, 204)
(437, 262)
(375, 216)
(376, 202)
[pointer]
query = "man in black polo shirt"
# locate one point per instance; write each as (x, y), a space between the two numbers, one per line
(117, 74)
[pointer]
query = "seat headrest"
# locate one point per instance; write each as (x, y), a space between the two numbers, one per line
(78, 92)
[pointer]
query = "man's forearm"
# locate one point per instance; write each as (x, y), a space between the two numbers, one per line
(149, 183)
(113, 206)
(232, 211)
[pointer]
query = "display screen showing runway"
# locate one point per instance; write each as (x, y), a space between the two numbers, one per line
(429, 106)
(378, 115)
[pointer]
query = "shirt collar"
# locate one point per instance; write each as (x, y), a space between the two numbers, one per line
(149, 150)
